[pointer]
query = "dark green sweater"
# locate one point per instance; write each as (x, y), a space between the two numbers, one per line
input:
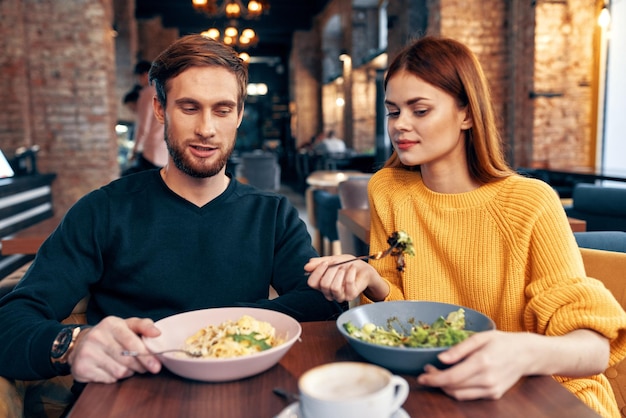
(141, 250)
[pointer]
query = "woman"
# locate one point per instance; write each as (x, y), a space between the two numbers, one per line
(484, 237)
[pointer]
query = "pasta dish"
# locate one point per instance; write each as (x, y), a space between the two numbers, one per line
(233, 339)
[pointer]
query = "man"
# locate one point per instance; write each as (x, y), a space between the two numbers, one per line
(162, 241)
(149, 151)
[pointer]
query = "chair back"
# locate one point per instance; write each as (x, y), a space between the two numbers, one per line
(353, 192)
(602, 240)
(353, 195)
(609, 267)
(261, 169)
(326, 207)
(602, 207)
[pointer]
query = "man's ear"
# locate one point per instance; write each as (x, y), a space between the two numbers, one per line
(240, 117)
(159, 112)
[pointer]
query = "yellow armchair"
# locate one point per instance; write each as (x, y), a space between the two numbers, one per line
(610, 267)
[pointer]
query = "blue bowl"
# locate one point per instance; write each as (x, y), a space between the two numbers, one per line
(405, 360)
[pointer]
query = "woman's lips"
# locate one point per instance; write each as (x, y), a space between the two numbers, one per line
(405, 145)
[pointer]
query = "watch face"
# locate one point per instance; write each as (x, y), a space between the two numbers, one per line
(61, 343)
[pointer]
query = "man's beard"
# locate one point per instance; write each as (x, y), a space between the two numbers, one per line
(186, 164)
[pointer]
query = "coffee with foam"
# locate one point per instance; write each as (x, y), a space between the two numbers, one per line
(351, 389)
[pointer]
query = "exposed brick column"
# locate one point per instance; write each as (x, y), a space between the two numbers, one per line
(58, 70)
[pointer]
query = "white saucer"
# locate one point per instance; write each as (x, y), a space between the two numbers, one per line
(293, 411)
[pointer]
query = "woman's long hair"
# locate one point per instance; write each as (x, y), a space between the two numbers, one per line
(450, 66)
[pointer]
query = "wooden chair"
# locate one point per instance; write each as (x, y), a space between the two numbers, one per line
(609, 267)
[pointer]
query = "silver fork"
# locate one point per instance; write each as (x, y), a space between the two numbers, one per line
(376, 256)
(194, 354)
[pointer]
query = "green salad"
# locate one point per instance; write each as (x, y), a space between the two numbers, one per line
(400, 244)
(444, 332)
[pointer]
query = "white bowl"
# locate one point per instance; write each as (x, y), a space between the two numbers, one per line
(405, 360)
(176, 329)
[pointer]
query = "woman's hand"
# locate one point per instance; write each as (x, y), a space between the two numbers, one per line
(347, 281)
(97, 356)
(487, 364)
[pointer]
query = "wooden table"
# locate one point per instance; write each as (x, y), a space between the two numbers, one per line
(165, 395)
(577, 225)
(28, 241)
(358, 222)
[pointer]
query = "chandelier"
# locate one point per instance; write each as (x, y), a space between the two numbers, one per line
(232, 9)
(232, 36)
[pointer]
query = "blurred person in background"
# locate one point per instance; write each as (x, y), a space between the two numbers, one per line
(149, 150)
(331, 144)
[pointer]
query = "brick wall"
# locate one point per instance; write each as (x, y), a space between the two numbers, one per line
(304, 85)
(364, 108)
(486, 37)
(126, 42)
(562, 84)
(154, 38)
(14, 93)
(58, 90)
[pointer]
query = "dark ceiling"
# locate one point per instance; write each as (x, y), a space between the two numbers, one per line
(274, 29)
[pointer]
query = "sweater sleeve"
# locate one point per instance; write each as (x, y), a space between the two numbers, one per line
(561, 298)
(30, 315)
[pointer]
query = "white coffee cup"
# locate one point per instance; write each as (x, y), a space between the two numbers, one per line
(351, 390)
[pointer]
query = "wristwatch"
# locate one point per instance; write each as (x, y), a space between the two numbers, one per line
(62, 347)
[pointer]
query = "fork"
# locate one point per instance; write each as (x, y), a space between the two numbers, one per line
(376, 256)
(194, 354)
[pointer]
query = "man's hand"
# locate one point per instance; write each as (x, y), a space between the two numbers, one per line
(347, 281)
(97, 354)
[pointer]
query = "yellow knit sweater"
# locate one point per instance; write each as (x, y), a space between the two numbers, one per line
(505, 249)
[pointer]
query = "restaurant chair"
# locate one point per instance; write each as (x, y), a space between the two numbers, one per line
(602, 240)
(352, 195)
(602, 207)
(260, 169)
(326, 207)
(609, 267)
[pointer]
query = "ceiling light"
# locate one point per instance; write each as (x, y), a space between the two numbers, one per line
(604, 18)
(232, 9)
(232, 37)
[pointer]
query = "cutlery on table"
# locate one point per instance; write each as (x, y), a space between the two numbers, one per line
(285, 394)
(173, 350)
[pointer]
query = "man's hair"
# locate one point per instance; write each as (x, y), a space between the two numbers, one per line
(196, 51)
(451, 66)
(142, 67)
